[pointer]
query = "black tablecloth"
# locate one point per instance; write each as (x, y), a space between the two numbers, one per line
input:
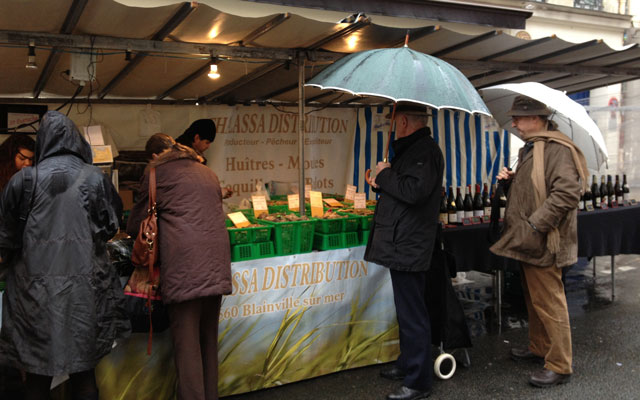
(600, 232)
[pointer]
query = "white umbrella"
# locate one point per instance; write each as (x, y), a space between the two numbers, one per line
(571, 117)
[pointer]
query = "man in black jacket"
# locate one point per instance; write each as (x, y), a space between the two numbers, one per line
(402, 239)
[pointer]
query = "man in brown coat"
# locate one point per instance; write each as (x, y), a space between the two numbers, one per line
(540, 231)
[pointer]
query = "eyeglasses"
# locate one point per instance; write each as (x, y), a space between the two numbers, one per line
(22, 157)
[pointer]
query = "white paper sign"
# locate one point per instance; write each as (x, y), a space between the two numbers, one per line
(259, 204)
(294, 201)
(360, 201)
(93, 134)
(350, 192)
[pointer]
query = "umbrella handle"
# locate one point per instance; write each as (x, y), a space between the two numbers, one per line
(367, 177)
(367, 173)
(393, 117)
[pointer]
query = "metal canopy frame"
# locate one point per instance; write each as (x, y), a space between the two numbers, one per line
(69, 24)
(483, 70)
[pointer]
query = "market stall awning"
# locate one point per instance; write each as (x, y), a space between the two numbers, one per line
(163, 54)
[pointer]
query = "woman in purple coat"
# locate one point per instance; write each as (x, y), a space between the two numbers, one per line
(195, 260)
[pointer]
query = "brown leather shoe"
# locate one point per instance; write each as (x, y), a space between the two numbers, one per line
(547, 378)
(524, 354)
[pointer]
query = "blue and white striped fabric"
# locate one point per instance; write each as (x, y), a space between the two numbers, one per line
(474, 147)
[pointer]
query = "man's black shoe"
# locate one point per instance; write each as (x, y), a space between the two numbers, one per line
(394, 373)
(524, 354)
(405, 393)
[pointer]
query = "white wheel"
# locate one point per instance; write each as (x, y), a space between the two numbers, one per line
(438, 365)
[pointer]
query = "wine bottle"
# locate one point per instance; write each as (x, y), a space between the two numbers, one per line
(468, 203)
(611, 194)
(486, 201)
(618, 190)
(625, 189)
(478, 209)
(587, 199)
(581, 203)
(503, 201)
(595, 191)
(451, 208)
(604, 194)
(444, 212)
(459, 205)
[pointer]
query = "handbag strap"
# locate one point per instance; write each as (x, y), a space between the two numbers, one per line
(152, 189)
(152, 261)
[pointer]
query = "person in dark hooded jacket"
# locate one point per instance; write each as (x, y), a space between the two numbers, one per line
(194, 256)
(63, 304)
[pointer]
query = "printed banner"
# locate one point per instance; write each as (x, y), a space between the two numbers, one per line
(261, 143)
(288, 318)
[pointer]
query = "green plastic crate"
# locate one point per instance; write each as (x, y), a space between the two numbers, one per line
(367, 221)
(292, 237)
(364, 236)
(335, 225)
(352, 223)
(252, 251)
(364, 221)
(278, 209)
(351, 239)
(305, 237)
(328, 241)
(252, 234)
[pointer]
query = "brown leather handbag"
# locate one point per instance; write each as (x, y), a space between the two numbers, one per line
(145, 278)
(145, 303)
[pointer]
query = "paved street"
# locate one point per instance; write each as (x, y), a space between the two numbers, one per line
(606, 346)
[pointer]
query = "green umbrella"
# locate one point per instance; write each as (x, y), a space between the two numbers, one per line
(402, 74)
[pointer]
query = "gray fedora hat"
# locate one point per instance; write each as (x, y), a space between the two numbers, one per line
(523, 105)
(410, 109)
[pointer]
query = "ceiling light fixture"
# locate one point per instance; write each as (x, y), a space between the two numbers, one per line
(31, 58)
(213, 69)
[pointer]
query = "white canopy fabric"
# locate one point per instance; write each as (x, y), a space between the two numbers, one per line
(170, 48)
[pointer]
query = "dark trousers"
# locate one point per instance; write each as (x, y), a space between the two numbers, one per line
(83, 386)
(415, 328)
(194, 328)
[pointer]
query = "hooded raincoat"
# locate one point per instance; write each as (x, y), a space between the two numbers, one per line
(63, 304)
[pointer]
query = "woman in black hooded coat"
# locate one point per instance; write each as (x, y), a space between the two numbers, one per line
(63, 304)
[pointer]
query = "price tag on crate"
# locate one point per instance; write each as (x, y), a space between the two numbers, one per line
(350, 192)
(476, 220)
(360, 201)
(294, 202)
(317, 208)
(259, 205)
(486, 219)
(633, 202)
(603, 206)
(239, 219)
(589, 207)
(307, 191)
(333, 203)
